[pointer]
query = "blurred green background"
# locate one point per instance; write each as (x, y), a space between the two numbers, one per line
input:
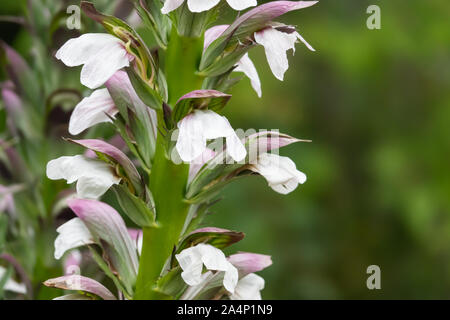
(376, 104)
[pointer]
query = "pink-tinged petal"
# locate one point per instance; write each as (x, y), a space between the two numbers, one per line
(201, 5)
(106, 223)
(239, 5)
(200, 99)
(13, 104)
(248, 288)
(266, 141)
(80, 283)
(202, 94)
(114, 153)
(264, 13)
(247, 262)
(210, 229)
(213, 33)
(170, 5)
(138, 237)
(217, 237)
(128, 95)
(91, 111)
(246, 66)
(73, 296)
(101, 54)
(72, 262)
(7, 198)
(16, 67)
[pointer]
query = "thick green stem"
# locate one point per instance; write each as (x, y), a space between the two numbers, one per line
(168, 180)
(182, 59)
(168, 184)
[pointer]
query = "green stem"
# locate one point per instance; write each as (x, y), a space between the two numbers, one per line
(182, 59)
(168, 184)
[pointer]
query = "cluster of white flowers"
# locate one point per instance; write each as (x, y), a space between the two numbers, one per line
(104, 58)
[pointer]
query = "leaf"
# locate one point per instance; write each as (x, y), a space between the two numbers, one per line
(199, 99)
(219, 238)
(136, 209)
(171, 284)
(147, 94)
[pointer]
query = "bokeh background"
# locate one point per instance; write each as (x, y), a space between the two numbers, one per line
(376, 104)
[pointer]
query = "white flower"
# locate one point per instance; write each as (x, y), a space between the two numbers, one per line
(91, 111)
(280, 172)
(191, 260)
(100, 54)
(202, 125)
(276, 43)
(11, 284)
(246, 66)
(204, 5)
(248, 288)
(94, 177)
(72, 234)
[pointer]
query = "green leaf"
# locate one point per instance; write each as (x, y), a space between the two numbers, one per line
(147, 94)
(171, 284)
(218, 238)
(135, 208)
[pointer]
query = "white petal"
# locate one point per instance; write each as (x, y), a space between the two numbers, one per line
(102, 55)
(78, 51)
(190, 143)
(103, 65)
(94, 186)
(94, 176)
(201, 5)
(171, 5)
(276, 43)
(304, 41)
(246, 66)
(241, 4)
(213, 258)
(91, 111)
(235, 147)
(191, 262)
(231, 278)
(11, 284)
(280, 172)
(202, 125)
(72, 234)
(248, 288)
